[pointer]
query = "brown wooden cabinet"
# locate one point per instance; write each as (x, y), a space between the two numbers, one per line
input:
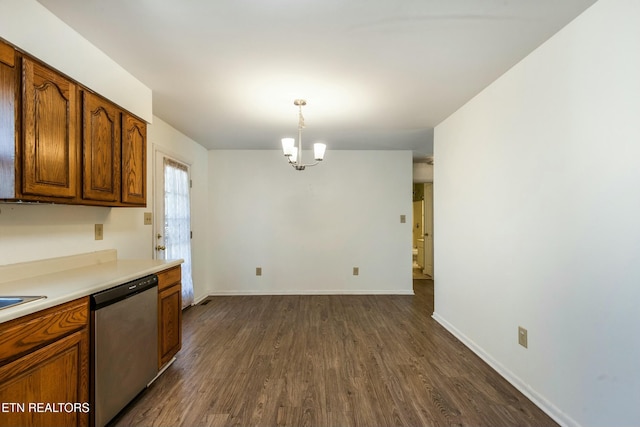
(7, 121)
(134, 163)
(61, 143)
(169, 314)
(44, 359)
(49, 129)
(100, 149)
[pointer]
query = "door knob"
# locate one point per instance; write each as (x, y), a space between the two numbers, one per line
(160, 248)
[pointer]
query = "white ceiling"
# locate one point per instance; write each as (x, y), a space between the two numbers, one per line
(377, 74)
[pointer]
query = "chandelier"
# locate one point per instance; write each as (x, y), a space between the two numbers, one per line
(293, 153)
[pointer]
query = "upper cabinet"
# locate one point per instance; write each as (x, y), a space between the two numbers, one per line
(7, 121)
(134, 164)
(49, 132)
(62, 143)
(100, 149)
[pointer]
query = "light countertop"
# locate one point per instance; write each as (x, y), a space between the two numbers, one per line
(70, 278)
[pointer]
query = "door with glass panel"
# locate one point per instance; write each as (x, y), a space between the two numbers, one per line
(172, 235)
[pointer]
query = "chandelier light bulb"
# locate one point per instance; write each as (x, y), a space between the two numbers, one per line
(318, 151)
(288, 144)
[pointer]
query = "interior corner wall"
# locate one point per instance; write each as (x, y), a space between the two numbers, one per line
(308, 229)
(32, 28)
(173, 143)
(35, 231)
(537, 224)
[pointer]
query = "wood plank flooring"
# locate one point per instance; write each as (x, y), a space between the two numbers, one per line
(326, 361)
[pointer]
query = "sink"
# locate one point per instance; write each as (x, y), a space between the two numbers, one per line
(6, 302)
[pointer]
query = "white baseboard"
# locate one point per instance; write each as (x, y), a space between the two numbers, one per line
(200, 299)
(308, 292)
(539, 400)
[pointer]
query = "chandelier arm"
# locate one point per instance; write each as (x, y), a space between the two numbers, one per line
(309, 164)
(296, 164)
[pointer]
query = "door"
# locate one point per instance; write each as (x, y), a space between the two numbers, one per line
(418, 220)
(428, 229)
(173, 217)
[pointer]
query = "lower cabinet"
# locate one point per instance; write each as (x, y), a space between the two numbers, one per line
(169, 314)
(44, 358)
(44, 367)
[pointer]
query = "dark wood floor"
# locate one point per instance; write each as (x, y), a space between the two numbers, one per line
(327, 361)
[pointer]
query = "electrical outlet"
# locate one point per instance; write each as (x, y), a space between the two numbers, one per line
(99, 231)
(356, 271)
(148, 218)
(258, 271)
(522, 337)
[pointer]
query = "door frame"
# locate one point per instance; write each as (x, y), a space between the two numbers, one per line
(427, 226)
(158, 190)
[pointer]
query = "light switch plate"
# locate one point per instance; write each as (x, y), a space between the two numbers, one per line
(148, 218)
(403, 219)
(356, 271)
(522, 337)
(258, 271)
(99, 231)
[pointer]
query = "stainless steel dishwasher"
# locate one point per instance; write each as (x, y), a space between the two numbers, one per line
(125, 345)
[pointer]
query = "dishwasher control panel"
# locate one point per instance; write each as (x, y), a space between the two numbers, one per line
(120, 292)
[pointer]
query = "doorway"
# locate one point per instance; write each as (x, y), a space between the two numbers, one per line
(422, 230)
(172, 227)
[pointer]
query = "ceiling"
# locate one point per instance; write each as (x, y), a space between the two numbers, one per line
(376, 74)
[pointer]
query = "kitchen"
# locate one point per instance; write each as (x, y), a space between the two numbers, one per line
(32, 232)
(238, 216)
(92, 334)
(104, 324)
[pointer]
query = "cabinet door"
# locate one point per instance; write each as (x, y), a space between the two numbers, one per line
(7, 121)
(50, 140)
(57, 374)
(170, 323)
(100, 149)
(134, 161)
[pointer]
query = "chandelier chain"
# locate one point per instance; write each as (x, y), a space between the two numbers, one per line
(293, 153)
(300, 118)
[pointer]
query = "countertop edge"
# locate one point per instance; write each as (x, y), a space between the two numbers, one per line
(109, 275)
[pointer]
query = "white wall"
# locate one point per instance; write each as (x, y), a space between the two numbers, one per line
(537, 220)
(32, 28)
(30, 232)
(165, 138)
(307, 230)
